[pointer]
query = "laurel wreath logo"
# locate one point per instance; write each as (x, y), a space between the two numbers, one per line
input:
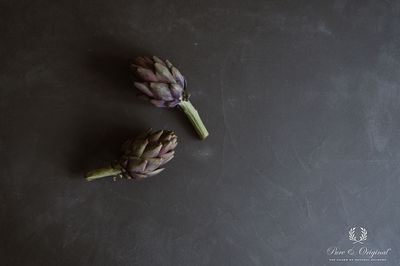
(362, 238)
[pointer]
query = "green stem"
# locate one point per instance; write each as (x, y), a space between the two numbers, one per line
(102, 172)
(194, 118)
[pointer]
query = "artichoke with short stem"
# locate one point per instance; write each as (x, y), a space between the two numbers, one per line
(164, 85)
(141, 157)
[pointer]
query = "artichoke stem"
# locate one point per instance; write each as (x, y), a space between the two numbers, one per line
(102, 172)
(194, 118)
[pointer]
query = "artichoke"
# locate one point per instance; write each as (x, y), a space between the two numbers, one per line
(141, 157)
(165, 86)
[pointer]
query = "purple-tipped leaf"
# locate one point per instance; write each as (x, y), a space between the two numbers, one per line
(161, 91)
(137, 165)
(143, 61)
(178, 76)
(142, 86)
(153, 164)
(147, 74)
(158, 60)
(152, 150)
(155, 136)
(158, 103)
(163, 72)
(154, 172)
(176, 90)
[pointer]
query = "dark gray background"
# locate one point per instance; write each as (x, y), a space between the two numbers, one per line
(301, 99)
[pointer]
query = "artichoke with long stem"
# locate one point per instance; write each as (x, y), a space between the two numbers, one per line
(141, 157)
(165, 86)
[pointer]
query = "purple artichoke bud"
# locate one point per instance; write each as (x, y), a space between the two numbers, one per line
(164, 86)
(159, 81)
(142, 157)
(145, 155)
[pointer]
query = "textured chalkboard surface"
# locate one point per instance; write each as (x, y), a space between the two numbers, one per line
(301, 99)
